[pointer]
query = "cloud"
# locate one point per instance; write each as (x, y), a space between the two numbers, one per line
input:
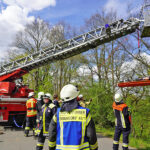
(85, 71)
(123, 8)
(32, 4)
(130, 69)
(14, 17)
(116, 5)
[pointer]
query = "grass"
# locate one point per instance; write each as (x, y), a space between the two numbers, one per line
(138, 143)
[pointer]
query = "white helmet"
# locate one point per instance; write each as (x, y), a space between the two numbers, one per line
(48, 95)
(69, 92)
(31, 94)
(80, 96)
(118, 97)
(40, 94)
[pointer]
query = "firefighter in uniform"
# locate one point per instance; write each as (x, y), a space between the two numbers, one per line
(31, 114)
(56, 100)
(72, 126)
(82, 102)
(123, 122)
(39, 105)
(47, 112)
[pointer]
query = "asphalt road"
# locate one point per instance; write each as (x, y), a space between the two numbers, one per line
(15, 140)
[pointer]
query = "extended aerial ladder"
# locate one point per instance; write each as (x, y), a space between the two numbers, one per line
(70, 47)
(10, 93)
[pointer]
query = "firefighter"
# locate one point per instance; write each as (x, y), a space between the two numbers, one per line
(31, 114)
(122, 123)
(82, 102)
(56, 101)
(72, 126)
(39, 105)
(48, 110)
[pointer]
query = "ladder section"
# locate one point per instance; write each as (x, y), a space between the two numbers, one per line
(73, 46)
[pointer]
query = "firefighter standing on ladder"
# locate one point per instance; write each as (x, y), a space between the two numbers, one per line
(123, 122)
(72, 126)
(31, 114)
(47, 112)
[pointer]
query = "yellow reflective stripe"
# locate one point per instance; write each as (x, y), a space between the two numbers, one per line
(43, 106)
(116, 142)
(55, 118)
(94, 146)
(122, 120)
(52, 144)
(75, 147)
(74, 112)
(44, 120)
(125, 145)
(27, 128)
(37, 131)
(31, 113)
(61, 133)
(83, 131)
(88, 119)
(40, 144)
(116, 121)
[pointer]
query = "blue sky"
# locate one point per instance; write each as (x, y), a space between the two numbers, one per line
(73, 12)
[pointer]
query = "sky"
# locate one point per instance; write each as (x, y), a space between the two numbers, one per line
(15, 14)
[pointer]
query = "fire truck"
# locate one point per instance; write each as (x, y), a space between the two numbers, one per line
(13, 93)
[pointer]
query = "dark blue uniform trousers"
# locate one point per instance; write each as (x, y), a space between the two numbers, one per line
(117, 135)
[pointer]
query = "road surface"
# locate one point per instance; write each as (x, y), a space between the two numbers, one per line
(15, 140)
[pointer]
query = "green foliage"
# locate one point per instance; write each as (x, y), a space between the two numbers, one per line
(140, 118)
(101, 106)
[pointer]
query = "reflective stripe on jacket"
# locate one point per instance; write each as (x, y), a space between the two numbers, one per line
(31, 107)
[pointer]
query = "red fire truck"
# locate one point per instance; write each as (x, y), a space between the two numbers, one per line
(13, 96)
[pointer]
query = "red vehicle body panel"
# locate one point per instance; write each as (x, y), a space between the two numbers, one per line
(134, 83)
(14, 107)
(13, 96)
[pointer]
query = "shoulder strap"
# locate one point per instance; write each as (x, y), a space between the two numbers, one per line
(43, 105)
(51, 106)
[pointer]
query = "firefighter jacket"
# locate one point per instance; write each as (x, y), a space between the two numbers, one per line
(122, 114)
(56, 103)
(72, 130)
(47, 113)
(82, 103)
(31, 107)
(39, 105)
